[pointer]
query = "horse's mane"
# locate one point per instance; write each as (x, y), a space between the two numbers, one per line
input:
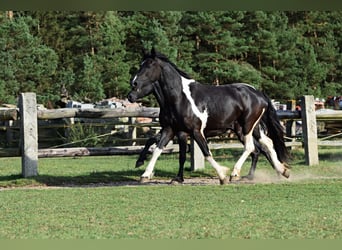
(165, 59)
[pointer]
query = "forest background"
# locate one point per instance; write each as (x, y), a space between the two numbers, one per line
(93, 54)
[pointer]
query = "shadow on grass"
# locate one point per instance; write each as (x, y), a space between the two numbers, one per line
(101, 178)
(330, 155)
(10, 177)
(93, 178)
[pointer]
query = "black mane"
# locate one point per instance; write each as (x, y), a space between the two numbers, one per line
(165, 59)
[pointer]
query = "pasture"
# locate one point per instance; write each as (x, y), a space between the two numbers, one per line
(100, 198)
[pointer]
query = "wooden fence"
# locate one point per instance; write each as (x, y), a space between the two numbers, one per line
(29, 115)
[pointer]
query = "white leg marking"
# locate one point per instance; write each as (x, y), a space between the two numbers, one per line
(267, 144)
(249, 148)
(221, 171)
(203, 116)
(149, 169)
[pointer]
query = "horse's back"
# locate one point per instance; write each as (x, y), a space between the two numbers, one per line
(227, 103)
(235, 94)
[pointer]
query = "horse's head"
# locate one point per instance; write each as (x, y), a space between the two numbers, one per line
(147, 75)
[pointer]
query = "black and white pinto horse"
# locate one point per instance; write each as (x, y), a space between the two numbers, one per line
(147, 89)
(196, 109)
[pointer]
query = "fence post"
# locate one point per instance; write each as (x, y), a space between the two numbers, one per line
(309, 130)
(29, 134)
(291, 124)
(197, 158)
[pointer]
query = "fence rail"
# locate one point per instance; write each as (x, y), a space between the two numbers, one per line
(29, 115)
(49, 114)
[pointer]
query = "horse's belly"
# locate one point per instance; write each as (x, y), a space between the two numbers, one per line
(220, 125)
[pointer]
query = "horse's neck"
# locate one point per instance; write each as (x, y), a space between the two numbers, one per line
(159, 96)
(171, 84)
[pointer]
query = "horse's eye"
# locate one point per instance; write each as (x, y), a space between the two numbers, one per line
(149, 62)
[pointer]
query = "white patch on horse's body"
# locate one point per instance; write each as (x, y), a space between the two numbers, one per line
(203, 116)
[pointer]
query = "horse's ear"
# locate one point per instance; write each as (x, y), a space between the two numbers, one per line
(153, 52)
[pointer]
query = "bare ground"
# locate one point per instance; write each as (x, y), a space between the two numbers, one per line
(261, 177)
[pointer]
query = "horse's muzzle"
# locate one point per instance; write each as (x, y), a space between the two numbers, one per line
(132, 97)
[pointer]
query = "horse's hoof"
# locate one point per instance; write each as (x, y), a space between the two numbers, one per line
(286, 173)
(139, 164)
(234, 178)
(247, 177)
(144, 179)
(174, 182)
(224, 181)
(177, 180)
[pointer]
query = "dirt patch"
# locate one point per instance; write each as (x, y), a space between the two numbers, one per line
(261, 177)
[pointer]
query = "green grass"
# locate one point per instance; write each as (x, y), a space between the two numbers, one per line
(306, 207)
(263, 211)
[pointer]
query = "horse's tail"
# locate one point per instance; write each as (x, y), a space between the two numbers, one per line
(271, 123)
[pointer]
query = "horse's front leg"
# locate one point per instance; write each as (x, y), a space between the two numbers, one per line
(143, 153)
(182, 142)
(249, 147)
(249, 144)
(166, 135)
(254, 155)
(255, 158)
(251, 172)
(202, 143)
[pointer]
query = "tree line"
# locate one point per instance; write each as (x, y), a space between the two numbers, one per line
(92, 55)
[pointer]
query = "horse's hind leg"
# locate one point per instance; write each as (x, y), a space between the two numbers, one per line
(272, 157)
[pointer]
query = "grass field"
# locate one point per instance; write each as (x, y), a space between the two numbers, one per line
(89, 198)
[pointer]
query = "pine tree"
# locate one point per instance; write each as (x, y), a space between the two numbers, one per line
(81, 36)
(286, 54)
(204, 29)
(56, 29)
(160, 30)
(110, 55)
(318, 52)
(322, 27)
(261, 32)
(89, 82)
(27, 64)
(219, 48)
(146, 29)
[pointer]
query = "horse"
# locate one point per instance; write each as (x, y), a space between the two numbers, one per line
(195, 109)
(154, 88)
